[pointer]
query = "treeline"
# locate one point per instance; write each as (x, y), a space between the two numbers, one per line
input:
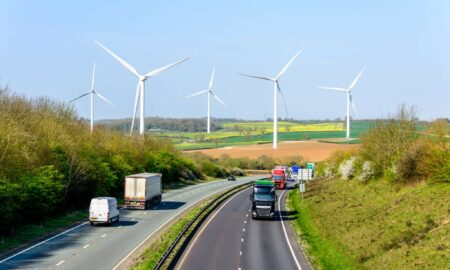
(394, 149)
(51, 163)
(167, 124)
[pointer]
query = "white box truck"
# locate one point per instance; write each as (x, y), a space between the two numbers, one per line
(103, 210)
(142, 190)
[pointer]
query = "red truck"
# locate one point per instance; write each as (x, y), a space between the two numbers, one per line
(279, 178)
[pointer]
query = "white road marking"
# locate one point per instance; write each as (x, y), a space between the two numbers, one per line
(40, 243)
(246, 215)
(145, 213)
(133, 219)
(119, 227)
(86, 246)
(245, 221)
(103, 235)
(61, 262)
(243, 230)
(242, 240)
(285, 234)
(240, 252)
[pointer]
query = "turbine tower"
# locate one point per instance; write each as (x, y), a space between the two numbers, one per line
(210, 93)
(92, 92)
(140, 89)
(349, 98)
(276, 88)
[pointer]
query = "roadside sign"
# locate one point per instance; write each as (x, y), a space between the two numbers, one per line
(302, 187)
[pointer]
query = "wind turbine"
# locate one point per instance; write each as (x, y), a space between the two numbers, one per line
(276, 88)
(140, 89)
(210, 93)
(349, 98)
(92, 92)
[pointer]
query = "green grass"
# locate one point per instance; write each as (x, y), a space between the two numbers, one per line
(27, 233)
(323, 253)
(378, 225)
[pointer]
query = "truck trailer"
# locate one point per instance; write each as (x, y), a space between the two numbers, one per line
(142, 190)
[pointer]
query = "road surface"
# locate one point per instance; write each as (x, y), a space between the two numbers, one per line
(231, 239)
(105, 247)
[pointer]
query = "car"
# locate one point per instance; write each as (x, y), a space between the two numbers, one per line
(231, 178)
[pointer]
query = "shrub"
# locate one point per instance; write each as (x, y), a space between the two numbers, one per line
(347, 168)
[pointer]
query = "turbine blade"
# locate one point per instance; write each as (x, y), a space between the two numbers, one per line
(136, 100)
(356, 79)
(287, 65)
(218, 99)
(334, 89)
(123, 62)
(198, 93)
(353, 105)
(284, 102)
(212, 78)
(257, 77)
(85, 94)
(102, 97)
(159, 70)
(93, 78)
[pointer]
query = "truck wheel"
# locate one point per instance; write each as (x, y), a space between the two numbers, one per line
(159, 199)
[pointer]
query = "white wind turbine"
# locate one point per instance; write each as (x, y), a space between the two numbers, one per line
(140, 90)
(349, 98)
(92, 92)
(276, 88)
(210, 93)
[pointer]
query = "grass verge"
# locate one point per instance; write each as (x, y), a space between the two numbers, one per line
(322, 253)
(377, 225)
(26, 233)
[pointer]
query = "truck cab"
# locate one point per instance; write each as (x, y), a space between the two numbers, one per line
(279, 178)
(263, 199)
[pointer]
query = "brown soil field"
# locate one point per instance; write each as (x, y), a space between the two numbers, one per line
(310, 150)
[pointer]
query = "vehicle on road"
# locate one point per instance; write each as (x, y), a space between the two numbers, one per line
(103, 210)
(142, 190)
(279, 178)
(263, 199)
(231, 178)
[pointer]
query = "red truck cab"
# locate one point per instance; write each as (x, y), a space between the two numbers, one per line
(279, 178)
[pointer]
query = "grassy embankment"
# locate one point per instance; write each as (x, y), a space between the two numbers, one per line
(348, 225)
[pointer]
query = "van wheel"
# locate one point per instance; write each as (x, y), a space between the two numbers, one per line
(92, 223)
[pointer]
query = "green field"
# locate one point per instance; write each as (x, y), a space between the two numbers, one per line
(248, 133)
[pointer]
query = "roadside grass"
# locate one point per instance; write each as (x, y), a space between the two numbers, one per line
(377, 225)
(26, 233)
(323, 253)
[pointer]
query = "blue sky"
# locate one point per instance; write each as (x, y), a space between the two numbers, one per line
(47, 49)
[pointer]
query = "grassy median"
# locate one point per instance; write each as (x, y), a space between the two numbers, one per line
(378, 225)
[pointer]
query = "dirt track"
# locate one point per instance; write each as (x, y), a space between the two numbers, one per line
(310, 150)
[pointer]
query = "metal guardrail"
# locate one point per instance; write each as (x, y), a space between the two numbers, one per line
(206, 209)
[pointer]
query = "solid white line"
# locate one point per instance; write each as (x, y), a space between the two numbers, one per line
(164, 224)
(197, 235)
(40, 243)
(86, 246)
(61, 262)
(285, 234)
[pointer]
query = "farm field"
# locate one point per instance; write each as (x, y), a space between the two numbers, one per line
(310, 150)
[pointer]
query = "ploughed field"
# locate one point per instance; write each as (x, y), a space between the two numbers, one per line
(310, 150)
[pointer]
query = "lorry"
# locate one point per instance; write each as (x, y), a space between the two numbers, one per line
(103, 210)
(263, 199)
(279, 178)
(142, 190)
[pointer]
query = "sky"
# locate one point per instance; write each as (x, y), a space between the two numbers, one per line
(47, 49)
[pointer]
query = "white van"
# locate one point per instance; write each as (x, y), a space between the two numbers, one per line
(103, 210)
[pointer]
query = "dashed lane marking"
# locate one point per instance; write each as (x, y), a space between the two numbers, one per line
(104, 235)
(61, 262)
(86, 246)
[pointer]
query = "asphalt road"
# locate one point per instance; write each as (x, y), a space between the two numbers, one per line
(231, 239)
(105, 247)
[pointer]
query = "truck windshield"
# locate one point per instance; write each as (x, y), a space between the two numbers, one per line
(277, 177)
(262, 193)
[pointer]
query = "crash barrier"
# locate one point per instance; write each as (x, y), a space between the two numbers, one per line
(186, 234)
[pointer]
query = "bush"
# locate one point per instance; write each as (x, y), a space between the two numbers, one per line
(347, 169)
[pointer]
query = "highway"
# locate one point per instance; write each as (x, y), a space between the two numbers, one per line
(231, 239)
(106, 247)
